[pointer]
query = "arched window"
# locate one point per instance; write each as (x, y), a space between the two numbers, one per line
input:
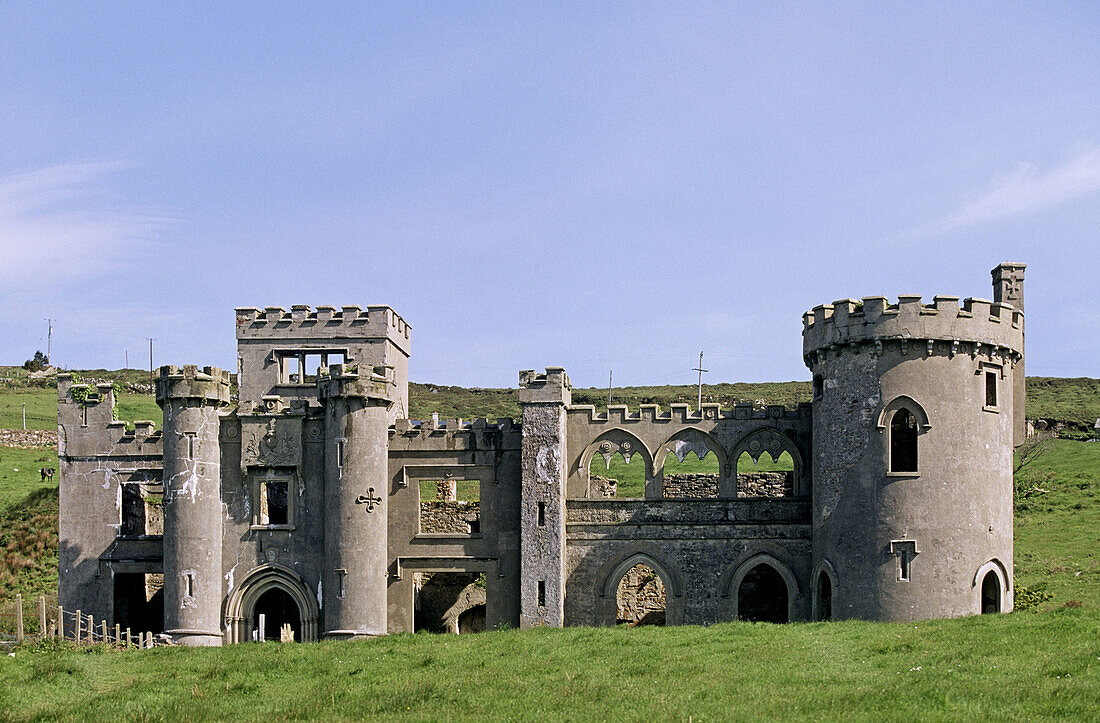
(640, 597)
(762, 596)
(903, 441)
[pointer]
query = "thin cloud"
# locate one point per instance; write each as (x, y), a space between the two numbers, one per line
(58, 225)
(1026, 190)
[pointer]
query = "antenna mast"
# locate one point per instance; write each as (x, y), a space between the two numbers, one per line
(700, 369)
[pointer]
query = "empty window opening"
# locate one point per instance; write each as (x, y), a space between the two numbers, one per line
(690, 471)
(189, 584)
(903, 442)
(341, 583)
(303, 368)
(133, 510)
(83, 415)
(616, 476)
(542, 514)
(276, 617)
(819, 386)
(139, 601)
(190, 441)
(450, 506)
(274, 508)
(824, 597)
(449, 602)
(340, 451)
(641, 597)
(542, 594)
(991, 593)
(991, 389)
(771, 475)
(762, 596)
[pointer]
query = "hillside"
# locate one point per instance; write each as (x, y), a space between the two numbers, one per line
(1075, 402)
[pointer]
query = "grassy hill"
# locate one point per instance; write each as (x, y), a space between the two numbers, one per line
(1039, 663)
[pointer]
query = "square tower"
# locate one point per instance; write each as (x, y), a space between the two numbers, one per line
(280, 352)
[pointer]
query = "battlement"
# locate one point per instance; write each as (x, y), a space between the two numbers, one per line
(873, 318)
(209, 385)
(553, 385)
(324, 322)
(354, 380)
(683, 414)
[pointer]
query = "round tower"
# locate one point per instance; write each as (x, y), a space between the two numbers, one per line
(354, 587)
(192, 502)
(912, 456)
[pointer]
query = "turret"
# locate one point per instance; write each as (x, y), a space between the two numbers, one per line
(544, 398)
(912, 458)
(192, 502)
(1008, 288)
(354, 579)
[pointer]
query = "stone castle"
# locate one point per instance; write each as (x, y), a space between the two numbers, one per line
(312, 505)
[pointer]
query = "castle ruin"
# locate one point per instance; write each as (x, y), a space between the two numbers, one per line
(314, 502)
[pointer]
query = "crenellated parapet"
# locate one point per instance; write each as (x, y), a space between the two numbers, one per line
(323, 323)
(87, 426)
(367, 382)
(684, 414)
(211, 385)
(978, 326)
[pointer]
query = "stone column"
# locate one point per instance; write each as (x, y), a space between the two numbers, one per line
(1008, 288)
(542, 517)
(192, 502)
(354, 580)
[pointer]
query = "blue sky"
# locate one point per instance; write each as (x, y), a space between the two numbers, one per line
(533, 184)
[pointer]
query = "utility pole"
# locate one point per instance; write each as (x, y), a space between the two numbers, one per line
(49, 341)
(127, 359)
(609, 373)
(700, 369)
(150, 359)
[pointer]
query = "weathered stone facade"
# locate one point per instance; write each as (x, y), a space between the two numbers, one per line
(314, 501)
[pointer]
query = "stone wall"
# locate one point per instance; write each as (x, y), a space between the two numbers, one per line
(603, 486)
(691, 486)
(641, 597)
(449, 517)
(765, 484)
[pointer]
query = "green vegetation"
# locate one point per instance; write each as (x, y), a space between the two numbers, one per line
(984, 668)
(1042, 662)
(631, 476)
(1073, 401)
(466, 490)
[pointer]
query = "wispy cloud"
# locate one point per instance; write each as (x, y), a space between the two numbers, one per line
(1027, 190)
(59, 224)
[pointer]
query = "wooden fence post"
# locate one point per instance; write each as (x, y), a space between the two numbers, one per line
(18, 618)
(41, 617)
(76, 630)
(128, 643)
(91, 629)
(103, 631)
(59, 631)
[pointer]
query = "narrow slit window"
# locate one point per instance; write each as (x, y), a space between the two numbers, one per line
(341, 577)
(991, 389)
(542, 594)
(903, 442)
(189, 580)
(819, 386)
(542, 514)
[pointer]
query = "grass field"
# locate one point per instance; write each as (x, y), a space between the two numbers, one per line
(1037, 664)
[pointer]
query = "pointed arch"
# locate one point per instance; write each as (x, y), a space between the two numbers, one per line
(685, 442)
(775, 443)
(823, 571)
(1004, 587)
(903, 420)
(612, 571)
(903, 402)
(730, 584)
(242, 601)
(618, 441)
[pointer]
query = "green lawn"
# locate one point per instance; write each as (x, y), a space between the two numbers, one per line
(1038, 664)
(1023, 666)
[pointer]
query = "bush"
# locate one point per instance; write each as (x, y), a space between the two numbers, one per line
(1026, 598)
